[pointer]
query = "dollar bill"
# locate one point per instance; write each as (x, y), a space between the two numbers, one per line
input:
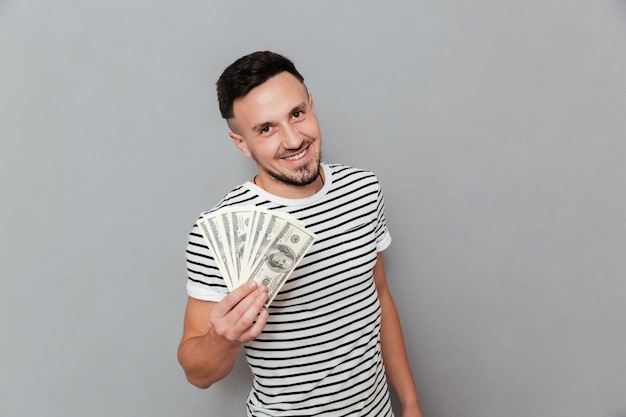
(240, 227)
(270, 230)
(250, 242)
(211, 231)
(257, 229)
(281, 257)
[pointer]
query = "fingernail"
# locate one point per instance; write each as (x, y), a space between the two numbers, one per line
(252, 284)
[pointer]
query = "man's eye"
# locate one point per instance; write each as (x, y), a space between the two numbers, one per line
(265, 129)
(297, 114)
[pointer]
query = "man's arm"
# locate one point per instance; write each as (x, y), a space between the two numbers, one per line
(213, 333)
(394, 351)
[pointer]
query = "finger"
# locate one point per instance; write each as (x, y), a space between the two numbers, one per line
(238, 319)
(246, 314)
(255, 330)
(234, 298)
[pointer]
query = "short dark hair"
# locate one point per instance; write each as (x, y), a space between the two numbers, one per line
(249, 72)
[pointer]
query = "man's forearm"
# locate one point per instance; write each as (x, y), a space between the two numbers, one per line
(395, 357)
(207, 359)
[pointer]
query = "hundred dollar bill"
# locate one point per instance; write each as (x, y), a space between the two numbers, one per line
(258, 224)
(225, 226)
(240, 220)
(211, 231)
(273, 226)
(250, 242)
(280, 257)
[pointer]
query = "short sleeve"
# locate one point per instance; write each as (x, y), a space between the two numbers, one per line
(383, 237)
(204, 279)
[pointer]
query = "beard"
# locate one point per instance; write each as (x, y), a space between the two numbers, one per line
(304, 175)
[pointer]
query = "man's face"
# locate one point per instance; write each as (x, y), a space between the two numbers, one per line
(275, 124)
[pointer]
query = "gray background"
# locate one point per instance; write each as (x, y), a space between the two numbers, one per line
(496, 127)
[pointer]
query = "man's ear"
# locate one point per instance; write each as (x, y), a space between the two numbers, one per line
(311, 102)
(240, 143)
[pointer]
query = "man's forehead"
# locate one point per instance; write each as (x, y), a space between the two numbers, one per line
(280, 87)
(274, 98)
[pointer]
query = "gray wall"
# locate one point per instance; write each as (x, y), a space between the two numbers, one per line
(496, 127)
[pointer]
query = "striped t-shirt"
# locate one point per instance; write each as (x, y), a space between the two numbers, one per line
(319, 353)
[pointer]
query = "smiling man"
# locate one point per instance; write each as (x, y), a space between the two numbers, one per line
(275, 124)
(331, 338)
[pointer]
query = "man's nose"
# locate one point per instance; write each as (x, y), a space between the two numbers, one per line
(292, 139)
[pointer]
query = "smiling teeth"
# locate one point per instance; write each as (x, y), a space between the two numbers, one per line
(298, 156)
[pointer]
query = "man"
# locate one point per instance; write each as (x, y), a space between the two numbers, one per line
(319, 348)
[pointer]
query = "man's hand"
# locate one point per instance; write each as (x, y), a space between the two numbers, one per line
(214, 332)
(240, 316)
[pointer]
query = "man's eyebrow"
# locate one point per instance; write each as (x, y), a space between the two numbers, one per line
(300, 107)
(260, 126)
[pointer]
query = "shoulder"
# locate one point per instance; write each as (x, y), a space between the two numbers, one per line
(345, 175)
(339, 168)
(343, 171)
(240, 195)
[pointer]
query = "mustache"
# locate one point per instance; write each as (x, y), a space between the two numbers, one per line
(291, 152)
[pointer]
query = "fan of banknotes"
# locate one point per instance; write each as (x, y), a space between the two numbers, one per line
(253, 243)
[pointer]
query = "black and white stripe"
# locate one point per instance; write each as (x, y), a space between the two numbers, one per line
(319, 353)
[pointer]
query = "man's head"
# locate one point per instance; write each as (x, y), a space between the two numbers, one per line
(272, 120)
(248, 72)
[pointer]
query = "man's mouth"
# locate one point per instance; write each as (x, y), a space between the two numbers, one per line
(297, 156)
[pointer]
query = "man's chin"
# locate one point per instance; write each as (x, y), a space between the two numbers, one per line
(305, 176)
